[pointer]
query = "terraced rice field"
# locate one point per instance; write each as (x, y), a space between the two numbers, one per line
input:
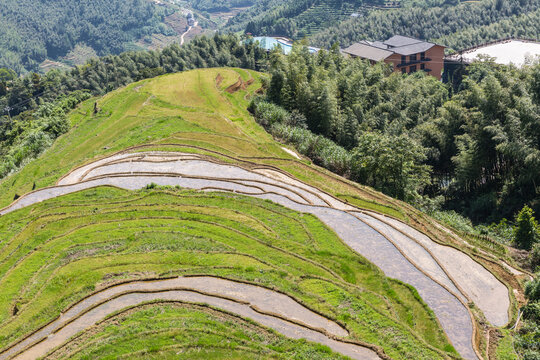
(284, 230)
(86, 241)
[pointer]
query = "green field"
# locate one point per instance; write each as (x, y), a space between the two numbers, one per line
(63, 249)
(54, 253)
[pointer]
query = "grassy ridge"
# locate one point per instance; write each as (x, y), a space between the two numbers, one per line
(63, 249)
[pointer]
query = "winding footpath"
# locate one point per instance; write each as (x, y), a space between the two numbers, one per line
(444, 277)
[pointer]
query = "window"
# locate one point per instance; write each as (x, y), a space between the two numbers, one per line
(413, 69)
(422, 66)
(422, 56)
(412, 58)
(403, 70)
(403, 59)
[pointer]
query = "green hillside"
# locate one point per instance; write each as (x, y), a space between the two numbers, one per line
(438, 22)
(57, 252)
(33, 31)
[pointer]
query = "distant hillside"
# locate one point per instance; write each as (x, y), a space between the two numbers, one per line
(298, 19)
(295, 19)
(348, 21)
(430, 23)
(32, 31)
(220, 5)
(519, 26)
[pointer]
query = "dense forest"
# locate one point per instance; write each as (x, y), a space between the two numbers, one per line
(475, 150)
(429, 24)
(31, 31)
(525, 26)
(220, 5)
(293, 19)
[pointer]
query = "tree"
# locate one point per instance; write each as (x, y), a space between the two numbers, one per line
(7, 75)
(526, 229)
(391, 164)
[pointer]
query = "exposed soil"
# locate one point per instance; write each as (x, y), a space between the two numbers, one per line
(219, 80)
(239, 85)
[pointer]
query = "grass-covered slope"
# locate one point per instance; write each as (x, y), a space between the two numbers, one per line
(66, 248)
(54, 253)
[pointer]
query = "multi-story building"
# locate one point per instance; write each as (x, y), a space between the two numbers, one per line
(406, 54)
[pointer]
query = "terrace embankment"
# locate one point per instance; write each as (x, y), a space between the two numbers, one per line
(264, 306)
(400, 251)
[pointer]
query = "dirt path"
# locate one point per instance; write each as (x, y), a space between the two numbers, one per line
(290, 152)
(262, 305)
(445, 278)
(186, 32)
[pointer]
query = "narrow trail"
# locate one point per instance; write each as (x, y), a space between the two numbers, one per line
(186, 32)
(445, 278)
(266, 307)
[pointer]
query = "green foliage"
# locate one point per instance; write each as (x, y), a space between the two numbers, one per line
(321, 150)
(532, 290)
(529, 333)
(433, 23)
(26, 137)
(362, 108)
(534, 257)
(526, 229)
(413, 137)
(391, 164)
(294, 19)
(7, 75)
(268, 114)
(102, 75)
(219, 5)
(517, 26)
(31, 31)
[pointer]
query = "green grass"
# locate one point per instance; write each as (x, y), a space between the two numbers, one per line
(58, 251)
(505, 348)
(372, 205)
(120, 235)
(178, 331)
(184, 109)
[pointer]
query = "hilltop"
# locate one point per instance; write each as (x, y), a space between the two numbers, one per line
(172, 177)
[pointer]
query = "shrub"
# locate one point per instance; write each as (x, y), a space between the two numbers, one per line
(531, 311)
(320, 150)
(151, 186)
(532, 290)
(38, 132)
(534, 256)
(526, 229)
(267, 113)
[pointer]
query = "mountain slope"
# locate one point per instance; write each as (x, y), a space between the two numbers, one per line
(32, 31)
(192, 130)
(429, 24)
